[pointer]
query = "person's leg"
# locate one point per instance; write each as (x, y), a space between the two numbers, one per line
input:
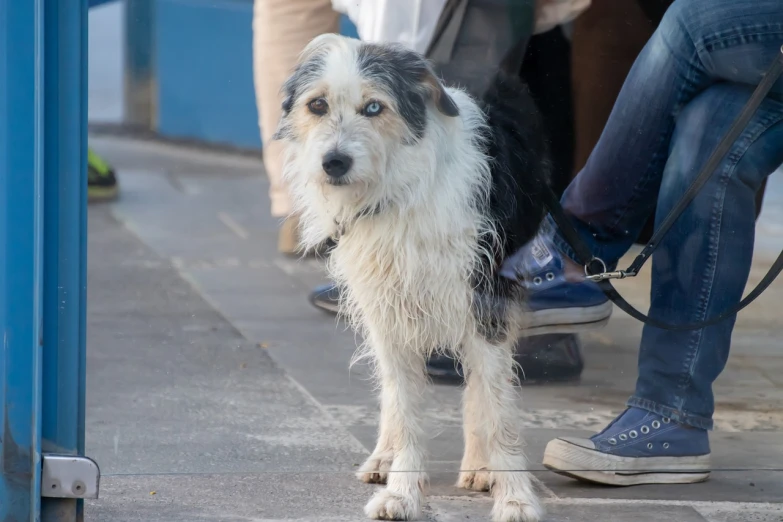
(699, 271)
(701, 267)
(698, 44)
(607, 38)
(281, 29)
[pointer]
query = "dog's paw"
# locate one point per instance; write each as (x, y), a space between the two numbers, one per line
(386, 505)
(516, 511)
(375, 469)
(474, 480)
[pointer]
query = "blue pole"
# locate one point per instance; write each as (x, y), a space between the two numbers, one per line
(21, 285)
(65, 246)
(43, 130)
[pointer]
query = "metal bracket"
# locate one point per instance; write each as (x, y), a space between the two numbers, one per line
(69, 476)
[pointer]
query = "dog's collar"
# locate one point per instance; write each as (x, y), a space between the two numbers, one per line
(342, 226)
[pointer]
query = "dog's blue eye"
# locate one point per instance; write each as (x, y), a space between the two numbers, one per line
(373, 108)
(318, 106)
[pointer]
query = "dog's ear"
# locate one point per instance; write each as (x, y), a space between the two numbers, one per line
(438, 94)
(283, 126)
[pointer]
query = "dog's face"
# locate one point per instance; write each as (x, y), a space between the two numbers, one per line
(353, 112)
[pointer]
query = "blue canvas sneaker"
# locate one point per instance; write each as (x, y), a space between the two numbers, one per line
(557, 305)
(638, 447)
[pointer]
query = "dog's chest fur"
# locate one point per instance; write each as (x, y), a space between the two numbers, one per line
(410, 277)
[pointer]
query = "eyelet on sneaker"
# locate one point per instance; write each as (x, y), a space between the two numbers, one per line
(666, 420)
(633, 434)
(613, 441)
(623, 436)
(537, 280)
(645, 430)
(550, 276)
(649, 445)
(665, 445)
(656, 424)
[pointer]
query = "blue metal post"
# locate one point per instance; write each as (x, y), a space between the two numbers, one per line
(65, 233)
(43, 198)
(21, 285)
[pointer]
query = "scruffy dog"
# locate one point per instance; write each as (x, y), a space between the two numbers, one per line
(426, 190)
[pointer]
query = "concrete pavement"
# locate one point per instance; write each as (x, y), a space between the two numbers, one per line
(215, 392)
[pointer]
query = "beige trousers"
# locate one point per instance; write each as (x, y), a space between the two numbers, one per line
(281, 29)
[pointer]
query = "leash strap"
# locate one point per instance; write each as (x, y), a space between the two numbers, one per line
(595, 268)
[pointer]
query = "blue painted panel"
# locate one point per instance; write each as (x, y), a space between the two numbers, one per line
(65, 226)
(205, 71)
(347, 27)
(21, 184)
(64, 240)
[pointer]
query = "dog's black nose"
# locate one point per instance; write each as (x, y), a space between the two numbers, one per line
(336, 164)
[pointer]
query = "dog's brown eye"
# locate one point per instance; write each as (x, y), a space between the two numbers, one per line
(373, 108)
(318, 106)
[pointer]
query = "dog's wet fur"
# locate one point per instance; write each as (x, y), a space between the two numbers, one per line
(430, 190)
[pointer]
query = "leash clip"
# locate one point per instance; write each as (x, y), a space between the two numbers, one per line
(604, 274)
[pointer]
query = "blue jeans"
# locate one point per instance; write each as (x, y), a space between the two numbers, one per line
(681, 96)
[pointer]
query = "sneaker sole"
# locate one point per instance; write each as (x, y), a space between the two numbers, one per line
(569, 320)
(587, 465)
(101, 194)
(328, 307)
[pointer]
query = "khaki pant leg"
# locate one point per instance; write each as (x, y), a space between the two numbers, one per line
(281, 29)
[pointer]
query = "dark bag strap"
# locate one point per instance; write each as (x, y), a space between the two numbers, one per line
(595, 268)
(444, 37)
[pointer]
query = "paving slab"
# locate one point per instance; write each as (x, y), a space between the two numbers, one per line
(230, 497)
(476, 509)
(171, 381)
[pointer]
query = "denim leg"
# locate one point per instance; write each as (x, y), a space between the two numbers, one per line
(698, 44)
(701, 267)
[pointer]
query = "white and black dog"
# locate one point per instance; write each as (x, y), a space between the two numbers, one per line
(427, 190)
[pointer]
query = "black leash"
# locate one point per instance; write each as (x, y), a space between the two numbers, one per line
(595, 268)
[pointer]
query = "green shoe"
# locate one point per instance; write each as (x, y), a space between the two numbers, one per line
(101, 180)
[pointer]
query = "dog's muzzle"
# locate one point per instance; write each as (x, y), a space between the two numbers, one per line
(336, 165)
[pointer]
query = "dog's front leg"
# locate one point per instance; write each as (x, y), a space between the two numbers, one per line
(473, 474)
(491, 378)
(401, 372)
(375, 469)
